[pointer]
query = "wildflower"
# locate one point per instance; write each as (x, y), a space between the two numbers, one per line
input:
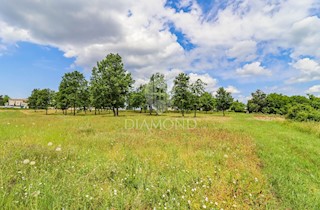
(26, 161)
(250, 194)
(206, 199)
(182, 197)
(204, 206)
(87, 196)
(216, 203)
(115, 192)
(147, 189)
(189, 202)
(32, 163)
(58, 149)
(225, 156)
(50, 144)
(256, 179)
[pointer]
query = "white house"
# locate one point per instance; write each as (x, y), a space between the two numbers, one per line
(22, 103)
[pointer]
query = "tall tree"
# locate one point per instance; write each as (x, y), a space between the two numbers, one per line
(197, 89)
(73, 88)
(111, 83)
(258, 101)
(224, 100)
(45, 99)
(33, 99)
(181, 92)
(207, 102)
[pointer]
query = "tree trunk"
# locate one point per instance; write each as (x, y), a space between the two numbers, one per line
(150, 109)
(195, 111)
(141, 110)
(74, 109)
(182, 111)
(117, 111)
(114, 111)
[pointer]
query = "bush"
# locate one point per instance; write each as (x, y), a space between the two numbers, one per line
(303, 112)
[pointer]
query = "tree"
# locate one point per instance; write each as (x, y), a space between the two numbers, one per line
(276, 104)
(41, 99)
(197, 89)
(258, 101)
(156, 93)
(72, 90)
(45, 99)
(224, 100)
(33, 99)
(111, 83)
(207, 102)
(138, 98)
(237, 106)
(181, 92)
(1, 100)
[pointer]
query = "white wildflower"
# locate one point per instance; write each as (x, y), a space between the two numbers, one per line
(204, 206)
(50, 144)
(32, 163)
(58, 149)
(26, 161)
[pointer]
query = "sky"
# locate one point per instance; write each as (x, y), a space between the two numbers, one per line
(242, 45)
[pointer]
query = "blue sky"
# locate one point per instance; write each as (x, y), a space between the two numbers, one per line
(240, 45)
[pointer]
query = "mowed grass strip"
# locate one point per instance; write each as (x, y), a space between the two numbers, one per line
(95, 162)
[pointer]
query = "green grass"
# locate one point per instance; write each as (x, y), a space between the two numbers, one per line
(238, 161)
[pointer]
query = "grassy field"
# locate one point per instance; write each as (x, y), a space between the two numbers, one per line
(100, 162)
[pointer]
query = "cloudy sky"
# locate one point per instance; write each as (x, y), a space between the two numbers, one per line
(242, 45)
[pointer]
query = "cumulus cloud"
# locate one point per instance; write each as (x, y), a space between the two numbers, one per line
(309, 70)
(253, 69)
(314, 89)
(232, 89)
(206, 78)
(140, 31)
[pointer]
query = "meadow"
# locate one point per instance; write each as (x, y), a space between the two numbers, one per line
(239, 161)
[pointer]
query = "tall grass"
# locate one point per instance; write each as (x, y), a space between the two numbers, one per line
(94, 162)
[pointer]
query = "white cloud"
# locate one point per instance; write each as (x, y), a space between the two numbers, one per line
(232, 89)
(253, 69)
(309, 70)
(206, 78)
(314, 89)
(139, 31)
(243, 50)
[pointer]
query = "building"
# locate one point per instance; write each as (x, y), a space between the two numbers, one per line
(22, 103)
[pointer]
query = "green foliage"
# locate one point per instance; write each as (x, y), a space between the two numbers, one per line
(303, 112)
(276, 104)
(197, 89)
(224, 100)
(110, 83)
(137, 99)
(181, 92)
(41, 99)
(207, 101)
(257, 102)
(73, 91)
(237, 106)
(4, 99)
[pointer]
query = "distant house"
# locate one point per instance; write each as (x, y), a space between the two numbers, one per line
(22, 103)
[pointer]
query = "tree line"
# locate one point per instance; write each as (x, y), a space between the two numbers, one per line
(111, 87)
